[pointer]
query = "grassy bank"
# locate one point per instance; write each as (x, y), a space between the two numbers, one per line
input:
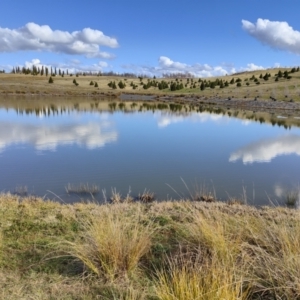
(169, 250)
(273, 84)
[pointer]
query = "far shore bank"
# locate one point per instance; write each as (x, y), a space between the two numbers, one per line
(189, 99)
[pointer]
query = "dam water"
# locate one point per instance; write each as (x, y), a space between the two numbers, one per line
(173, 151)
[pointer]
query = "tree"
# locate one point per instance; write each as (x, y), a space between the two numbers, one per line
(239, 84)
(202, 86)
(266, 77)
(50, 80)
(96, 84)
(91, 83)
(121, 84)
(232, 81)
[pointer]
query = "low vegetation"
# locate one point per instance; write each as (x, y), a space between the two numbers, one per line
(169, 250)
(281, 84)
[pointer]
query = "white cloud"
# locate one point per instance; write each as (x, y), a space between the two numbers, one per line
(266, 150)
(44, 137)
(253, 67)
(168, 66)
(35, 37)
(279, 35)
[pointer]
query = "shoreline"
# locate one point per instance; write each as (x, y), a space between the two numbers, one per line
(257, 104)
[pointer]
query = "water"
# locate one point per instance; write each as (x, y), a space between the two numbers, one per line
(45, 146)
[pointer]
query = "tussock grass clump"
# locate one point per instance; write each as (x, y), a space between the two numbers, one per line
(116, 197)
(82, 189)
(207, 281)
(292, 199)
(113, 243)
(146, 196)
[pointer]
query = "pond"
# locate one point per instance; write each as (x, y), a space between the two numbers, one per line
(50, 147)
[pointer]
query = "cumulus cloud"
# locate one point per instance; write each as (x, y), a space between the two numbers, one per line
(36, 37)
(266, 150)
(44, 137)
(279, 35)
(168, 66)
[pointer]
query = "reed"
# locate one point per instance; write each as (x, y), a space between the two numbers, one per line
(82, 189)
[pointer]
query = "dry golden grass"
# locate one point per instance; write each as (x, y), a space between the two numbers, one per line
(207, 281)
(168, 250)
(113, 243)
(284, 89)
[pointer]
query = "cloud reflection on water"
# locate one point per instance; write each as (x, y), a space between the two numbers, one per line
(166, 119)
(48, 137)
(267, 149)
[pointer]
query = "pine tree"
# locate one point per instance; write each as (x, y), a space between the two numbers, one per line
(50, 80)
(202, 86)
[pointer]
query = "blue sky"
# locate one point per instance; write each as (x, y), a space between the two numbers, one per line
(153, 37)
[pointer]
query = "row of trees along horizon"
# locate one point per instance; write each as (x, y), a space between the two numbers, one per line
(173, 85)
(193, 83)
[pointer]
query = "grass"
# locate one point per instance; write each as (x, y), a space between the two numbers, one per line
(82, 189)
(168, 250)
(283, 90)
(116, 197)
(113, 243)
(292, 199)
(146, 196)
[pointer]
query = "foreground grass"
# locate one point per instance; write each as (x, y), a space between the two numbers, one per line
(168, 250)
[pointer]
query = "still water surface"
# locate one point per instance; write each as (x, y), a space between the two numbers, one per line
(154, 150)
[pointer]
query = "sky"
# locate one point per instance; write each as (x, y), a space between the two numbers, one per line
(150, 37)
